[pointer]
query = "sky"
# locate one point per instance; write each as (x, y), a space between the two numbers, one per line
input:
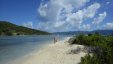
(59, 15)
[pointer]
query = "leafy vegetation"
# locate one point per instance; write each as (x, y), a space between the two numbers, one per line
(102, 56)
(7, 28)
(90, 60)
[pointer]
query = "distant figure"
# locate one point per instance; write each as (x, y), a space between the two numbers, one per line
(55, 40)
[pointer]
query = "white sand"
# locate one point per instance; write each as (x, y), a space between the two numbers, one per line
(53, 54)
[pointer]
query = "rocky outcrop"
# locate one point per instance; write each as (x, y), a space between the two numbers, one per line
(71, 40)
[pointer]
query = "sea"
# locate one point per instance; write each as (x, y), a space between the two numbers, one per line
(14, 47)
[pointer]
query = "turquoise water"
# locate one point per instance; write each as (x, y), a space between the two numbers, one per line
(13, 47)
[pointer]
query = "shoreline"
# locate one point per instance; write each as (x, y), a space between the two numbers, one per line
(58, 53)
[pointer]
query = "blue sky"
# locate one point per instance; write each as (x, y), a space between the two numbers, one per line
(59, 15)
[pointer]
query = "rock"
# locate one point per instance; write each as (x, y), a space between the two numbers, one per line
(71, 40)
(75, 50)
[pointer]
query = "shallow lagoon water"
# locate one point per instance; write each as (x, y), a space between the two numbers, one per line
(13, 47)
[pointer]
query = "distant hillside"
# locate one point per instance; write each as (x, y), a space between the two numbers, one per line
(7, 28)
(103, 32)
(70, 32)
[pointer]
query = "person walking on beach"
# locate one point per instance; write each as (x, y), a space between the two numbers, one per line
(55, 40)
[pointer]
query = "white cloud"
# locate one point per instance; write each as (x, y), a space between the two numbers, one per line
(28, 24)
(86, 26)
(52, 9)
(109, 25)
(59, 16)
(100, 18)
(91, 10)
(42, 9)
(107, 2)
(75, 19)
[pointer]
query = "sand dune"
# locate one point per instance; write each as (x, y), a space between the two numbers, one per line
(58, 53)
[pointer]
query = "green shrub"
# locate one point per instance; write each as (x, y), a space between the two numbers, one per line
(106, 47)
(90, 60)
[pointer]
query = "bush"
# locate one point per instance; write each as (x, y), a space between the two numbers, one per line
(105, 56)
(90, 60)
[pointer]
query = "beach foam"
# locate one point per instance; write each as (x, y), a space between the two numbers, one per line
(58, 53)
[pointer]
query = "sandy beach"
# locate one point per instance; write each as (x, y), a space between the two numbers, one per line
(58, 53)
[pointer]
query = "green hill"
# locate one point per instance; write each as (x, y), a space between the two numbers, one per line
(7, 28)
